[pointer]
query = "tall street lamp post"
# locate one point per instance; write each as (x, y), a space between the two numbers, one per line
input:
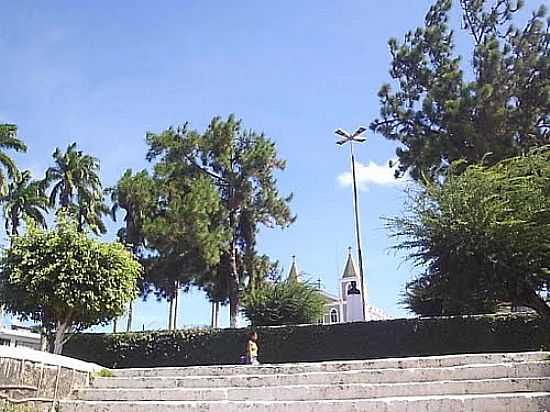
(351, 138)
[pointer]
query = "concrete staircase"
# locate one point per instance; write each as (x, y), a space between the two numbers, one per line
(513, 382)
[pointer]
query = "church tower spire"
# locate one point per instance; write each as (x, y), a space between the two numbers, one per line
(294, 273)
(350, 274)
(350, 270)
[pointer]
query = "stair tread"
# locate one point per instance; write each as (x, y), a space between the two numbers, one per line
(345, 372)
(461, 358)
(384, 399)
(340, 385)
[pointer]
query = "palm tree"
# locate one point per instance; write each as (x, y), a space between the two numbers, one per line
(90, 211)
(9, 141)
(77, 187)
(25, 200)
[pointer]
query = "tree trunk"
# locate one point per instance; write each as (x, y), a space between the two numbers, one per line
(212, 308)
(170, 313)
(130, 316)
(65, 199)
(115, 322)
(60, 330)
(234, 293)
(176, 299)
(14, 225)
(215, 309)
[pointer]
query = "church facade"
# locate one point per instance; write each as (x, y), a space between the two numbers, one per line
(347, 306)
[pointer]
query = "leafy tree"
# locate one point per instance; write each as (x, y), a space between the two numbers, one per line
(283, 303)
(483, 237)
(181, 235)
(239, 165)
(24, 200)
(135, 194)
(446, 108)
(77, 187)
(66, 280)
(9, 140)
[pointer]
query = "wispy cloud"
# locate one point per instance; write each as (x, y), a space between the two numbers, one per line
(371, 174)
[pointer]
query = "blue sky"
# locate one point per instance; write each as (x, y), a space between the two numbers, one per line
(103, 73)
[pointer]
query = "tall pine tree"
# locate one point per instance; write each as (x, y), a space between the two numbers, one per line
(240, 166)
(488, 106)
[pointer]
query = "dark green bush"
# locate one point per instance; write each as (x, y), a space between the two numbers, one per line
(362, 340)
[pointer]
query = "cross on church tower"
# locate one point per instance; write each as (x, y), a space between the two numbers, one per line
(319, 284)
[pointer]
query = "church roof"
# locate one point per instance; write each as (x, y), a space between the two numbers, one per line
(329, 298)
(294, 273)
(350, 271)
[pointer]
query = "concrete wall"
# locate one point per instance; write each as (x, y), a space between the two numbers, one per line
(40, 377)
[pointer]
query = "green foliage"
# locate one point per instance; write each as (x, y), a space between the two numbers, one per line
(77, 187)
(283, 303)
(229, 172)
(66, 280)
(446, 107)
(9, 140)
(310, 343)
(182, 232)
(483, 237)
(135, 194)
(24, 200)
(103, 373)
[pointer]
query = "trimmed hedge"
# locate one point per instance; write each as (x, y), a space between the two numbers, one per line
(307, 343)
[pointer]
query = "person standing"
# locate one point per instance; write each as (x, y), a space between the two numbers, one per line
(252, 349)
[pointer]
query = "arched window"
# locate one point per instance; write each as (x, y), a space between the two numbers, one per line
(333, 316)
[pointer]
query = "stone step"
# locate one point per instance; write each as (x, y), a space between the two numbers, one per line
(334, 366)
(313, 392)
(387, 375)
(500, 402)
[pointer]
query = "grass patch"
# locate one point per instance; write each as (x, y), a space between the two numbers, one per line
(102, 373)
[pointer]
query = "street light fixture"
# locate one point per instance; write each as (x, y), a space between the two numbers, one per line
(351, 138)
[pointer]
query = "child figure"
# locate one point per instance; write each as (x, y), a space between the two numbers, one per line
(252, 349)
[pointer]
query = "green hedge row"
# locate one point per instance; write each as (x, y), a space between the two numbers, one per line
(362, 340)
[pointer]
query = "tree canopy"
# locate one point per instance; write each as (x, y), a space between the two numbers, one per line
(444, 107)
(66, 280)
(135, 195)
(77, 187)
(25, 199)
(483, 237)
(9, 141)
(235, 170)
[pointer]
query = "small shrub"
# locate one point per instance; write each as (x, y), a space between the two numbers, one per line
(103, 373)
(283, 303)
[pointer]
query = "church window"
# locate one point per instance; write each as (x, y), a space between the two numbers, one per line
(333, 316)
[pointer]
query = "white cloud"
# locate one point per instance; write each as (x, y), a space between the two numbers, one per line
(371, 174)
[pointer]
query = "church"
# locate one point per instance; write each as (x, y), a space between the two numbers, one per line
(347, 306)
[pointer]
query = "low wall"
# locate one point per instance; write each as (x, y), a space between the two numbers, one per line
(307, 343)
(30, 376)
